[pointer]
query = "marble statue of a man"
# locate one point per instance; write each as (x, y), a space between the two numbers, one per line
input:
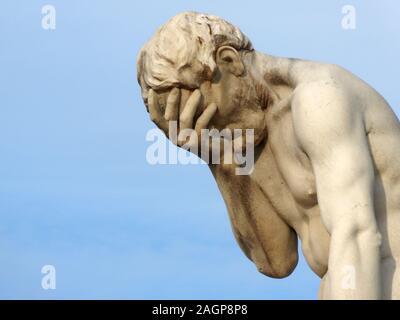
(326, 144)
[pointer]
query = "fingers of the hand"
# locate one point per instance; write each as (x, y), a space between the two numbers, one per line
(172, 108)
(204, 119)
(187, 139)
(155, 112)
(186, 117)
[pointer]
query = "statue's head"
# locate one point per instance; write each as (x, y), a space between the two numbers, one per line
(199, 51)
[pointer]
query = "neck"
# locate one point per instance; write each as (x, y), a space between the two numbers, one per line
(274, 82)
(274, 77)
(274, 71)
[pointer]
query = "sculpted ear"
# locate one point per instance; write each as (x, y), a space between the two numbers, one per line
(228, 58)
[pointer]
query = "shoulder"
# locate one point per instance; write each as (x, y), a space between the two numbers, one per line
(333, 90)
(324, 111)
(326, 95)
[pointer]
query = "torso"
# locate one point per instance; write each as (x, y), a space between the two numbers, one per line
(284, 173)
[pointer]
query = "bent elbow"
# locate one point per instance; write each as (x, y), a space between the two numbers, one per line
(279, 268)
(361, 233)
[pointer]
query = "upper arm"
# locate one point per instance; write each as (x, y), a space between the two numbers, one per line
(329, 126)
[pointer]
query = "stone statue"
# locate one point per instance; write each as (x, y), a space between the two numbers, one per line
(326, 153)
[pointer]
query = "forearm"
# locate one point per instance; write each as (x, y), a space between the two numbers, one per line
(354, 266)
(264, 237)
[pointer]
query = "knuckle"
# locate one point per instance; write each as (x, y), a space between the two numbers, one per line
(154, 118)
(181, 142)
(194, 136)
(200, 125)
(184, 123)
(169, 116)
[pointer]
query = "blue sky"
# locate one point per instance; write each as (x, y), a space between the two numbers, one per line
(76, 191)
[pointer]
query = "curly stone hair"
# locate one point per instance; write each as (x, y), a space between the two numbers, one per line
(182, 52)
